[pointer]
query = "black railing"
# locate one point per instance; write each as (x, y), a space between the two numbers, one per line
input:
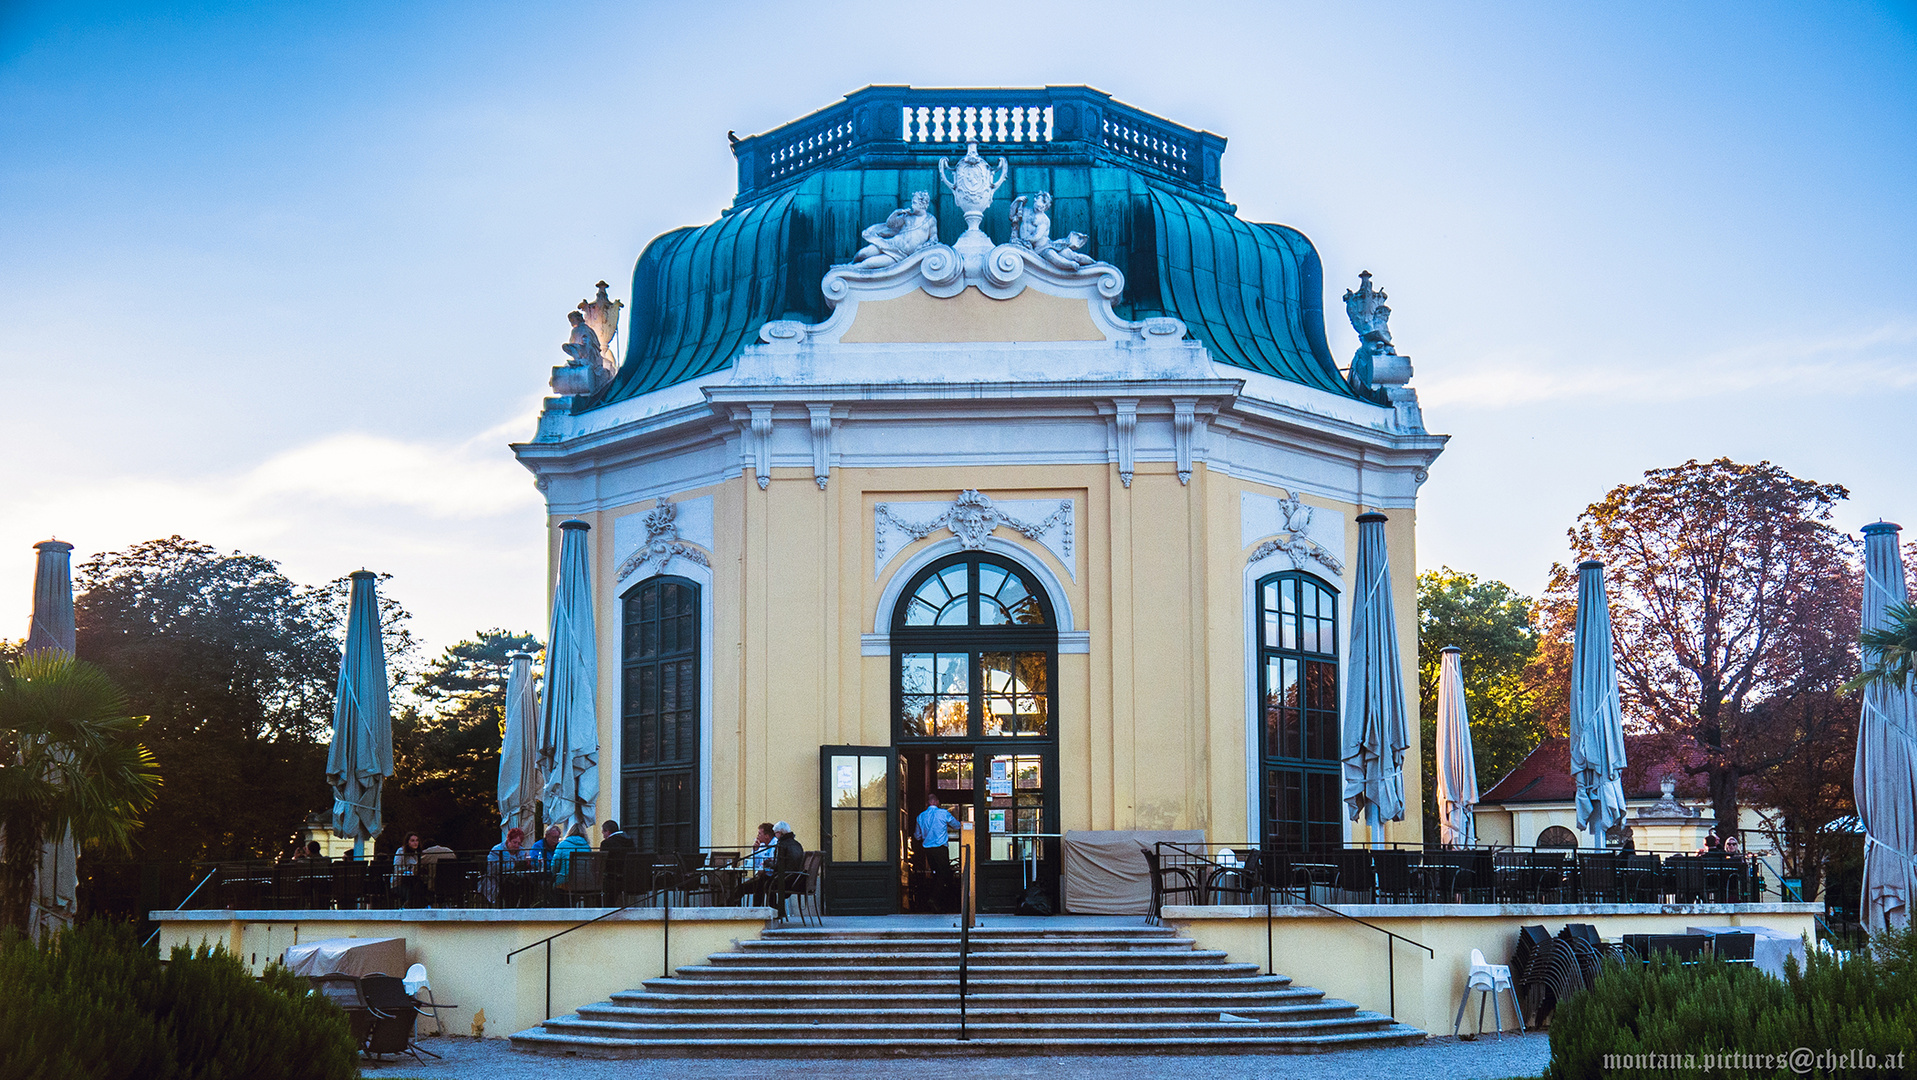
(665, 948)
(965, 932)
(1238, 874)
(710, 877)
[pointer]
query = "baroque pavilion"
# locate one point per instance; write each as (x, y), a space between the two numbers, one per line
(980, 447)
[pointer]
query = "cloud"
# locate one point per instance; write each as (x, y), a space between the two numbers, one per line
(458, 524)
(1884, 358)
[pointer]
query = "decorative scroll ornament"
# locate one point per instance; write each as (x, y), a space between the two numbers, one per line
(1295, 543)
(972, 518)
(662, 541)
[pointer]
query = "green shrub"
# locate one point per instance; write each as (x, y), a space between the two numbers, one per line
(92, 1003)
(1865, 1005)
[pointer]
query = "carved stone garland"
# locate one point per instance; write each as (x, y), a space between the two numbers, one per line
(1295, 543)
(972, 518)
(662, 541)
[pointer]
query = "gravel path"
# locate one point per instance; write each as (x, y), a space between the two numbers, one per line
(1438, 1059)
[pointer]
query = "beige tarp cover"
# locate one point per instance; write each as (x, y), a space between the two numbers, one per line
(348, 956)
(1105, 872)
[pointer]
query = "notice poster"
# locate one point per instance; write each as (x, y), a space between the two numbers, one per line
(845, 778)
(997, 820)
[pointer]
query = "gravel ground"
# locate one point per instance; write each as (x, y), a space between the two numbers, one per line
(1437, 1059)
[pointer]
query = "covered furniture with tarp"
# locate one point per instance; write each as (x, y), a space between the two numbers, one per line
(347, 956)
(1106, 873)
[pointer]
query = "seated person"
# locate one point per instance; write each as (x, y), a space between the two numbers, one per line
(509, 854)
(405, 877)
(574, 843)
(757, 883)
(618, 849)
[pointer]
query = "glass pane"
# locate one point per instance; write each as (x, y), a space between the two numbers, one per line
(956, 611)
(845, 780)
(872, 783)
(1014, 692)
(872, 835)
(845, 835)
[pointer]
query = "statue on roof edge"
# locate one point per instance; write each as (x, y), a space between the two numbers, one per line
(903, 232)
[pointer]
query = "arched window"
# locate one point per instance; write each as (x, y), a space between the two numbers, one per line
(659, 714)
(1557, 836)
(975, 646)
(1298, 692)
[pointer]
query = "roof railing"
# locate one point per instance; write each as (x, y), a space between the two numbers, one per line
(906, 126)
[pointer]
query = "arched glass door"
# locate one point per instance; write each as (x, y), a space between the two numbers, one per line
(974, 677)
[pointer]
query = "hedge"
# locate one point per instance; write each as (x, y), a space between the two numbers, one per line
(1679, 1021)
(91, 1002)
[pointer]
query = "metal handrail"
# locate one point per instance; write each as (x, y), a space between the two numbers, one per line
(965, 932)
(1391, 974)
(210, 875)
(665, 947)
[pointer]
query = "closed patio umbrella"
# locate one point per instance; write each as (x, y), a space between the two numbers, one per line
(1885, 777)
(1597, 716)
(1376, 734)
(569, 733)
(519, 786)
(361, 757)
(57, 887)
(1457, 766)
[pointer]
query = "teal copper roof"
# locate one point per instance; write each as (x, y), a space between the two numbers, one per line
(1252, 293)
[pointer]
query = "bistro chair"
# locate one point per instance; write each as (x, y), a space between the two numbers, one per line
(344, 991)
(1169, 882)
(395, 1012)
(1394, 876)
(583, 880)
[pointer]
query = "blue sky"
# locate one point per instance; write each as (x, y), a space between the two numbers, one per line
(288, 280)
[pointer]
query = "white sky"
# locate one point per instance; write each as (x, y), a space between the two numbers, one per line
(289, 280)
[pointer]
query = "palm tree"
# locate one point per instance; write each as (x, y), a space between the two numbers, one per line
(1895, 646)
(69, 759)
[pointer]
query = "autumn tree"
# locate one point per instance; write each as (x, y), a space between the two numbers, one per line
(1723, 579)
(1490, 623)
(446, 744)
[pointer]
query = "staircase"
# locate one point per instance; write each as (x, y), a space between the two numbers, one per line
(894, 993)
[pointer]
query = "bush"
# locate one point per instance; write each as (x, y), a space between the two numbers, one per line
(1866, 1005)
(93, 1003)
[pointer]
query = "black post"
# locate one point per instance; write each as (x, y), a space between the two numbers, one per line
(665, 938)
(1391, 974)
(549, 978)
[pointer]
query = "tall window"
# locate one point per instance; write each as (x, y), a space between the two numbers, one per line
(660, 715)
(1298, 688)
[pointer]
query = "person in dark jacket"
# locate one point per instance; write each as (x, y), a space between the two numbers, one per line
(619, 849)
(788, 861)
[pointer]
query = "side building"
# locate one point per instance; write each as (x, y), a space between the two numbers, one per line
(981, 448)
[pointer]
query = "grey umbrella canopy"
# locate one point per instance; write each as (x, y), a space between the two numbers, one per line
(569, 733)
(1597, 716)
(1457, 765)
(519, 786)
(361, 757)
(1885, 779)
(1376, 734)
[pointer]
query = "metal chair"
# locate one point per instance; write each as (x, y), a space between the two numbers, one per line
(584, 879)
(344, 991)
(395, 1012)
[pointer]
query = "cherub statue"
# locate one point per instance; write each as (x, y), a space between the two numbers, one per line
(903, 232)
(1032, 220)
(1069, 253)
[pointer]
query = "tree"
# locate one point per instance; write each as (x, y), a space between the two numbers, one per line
(72, 761)
(446, 747)
(1490, 623)
(1723, 579)
(236, 664)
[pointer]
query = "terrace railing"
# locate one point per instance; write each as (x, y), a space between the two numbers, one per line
(709, 877)
(1415, 874)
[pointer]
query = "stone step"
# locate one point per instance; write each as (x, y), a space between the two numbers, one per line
(1277, 993)
(978, 960)
(836, 1011)
(1113, 1028)
(831, 946)
(890, 987)
(537, 1040)
(921, 970)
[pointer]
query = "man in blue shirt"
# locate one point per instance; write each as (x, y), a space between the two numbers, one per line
(933, 831)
